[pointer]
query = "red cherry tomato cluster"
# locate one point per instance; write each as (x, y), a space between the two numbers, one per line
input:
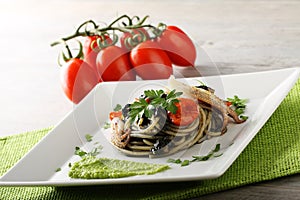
(140, 50)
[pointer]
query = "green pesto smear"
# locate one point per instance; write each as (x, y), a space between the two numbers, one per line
(91, 167)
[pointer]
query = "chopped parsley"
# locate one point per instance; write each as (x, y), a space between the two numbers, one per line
(118, 107)
(58, 169)
(238, 105)
(209, 155)
(106, 125)
(88, 137)
(185, 163)
(95, 151)
(154, 99)
(177, 161)
(197, 158)
(201, 83)
(79, 152)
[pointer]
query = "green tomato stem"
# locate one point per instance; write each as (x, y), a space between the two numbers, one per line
(119, 18)
(69, 51)
(132, 23)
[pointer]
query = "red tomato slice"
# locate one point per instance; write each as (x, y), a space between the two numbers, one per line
(187, 112)
(228, 103)
(115, 114)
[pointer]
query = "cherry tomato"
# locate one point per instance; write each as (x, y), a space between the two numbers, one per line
(90, 55)
(113, 65)
(115, 114)
(150, 61)
(178, 46)
(136, 37)
(77, 79)
(228, 103)
(187, 112)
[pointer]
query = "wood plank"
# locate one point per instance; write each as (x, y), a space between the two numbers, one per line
(281, 188)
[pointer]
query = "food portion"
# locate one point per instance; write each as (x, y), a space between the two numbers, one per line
(91, 167)
(126, 49)
(163, 122)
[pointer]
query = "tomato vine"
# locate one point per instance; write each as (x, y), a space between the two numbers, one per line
(122, 50)
(91, 28)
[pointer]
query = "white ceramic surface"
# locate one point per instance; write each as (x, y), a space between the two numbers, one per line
(264, 90)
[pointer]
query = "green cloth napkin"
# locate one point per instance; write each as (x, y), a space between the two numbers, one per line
(273, 153)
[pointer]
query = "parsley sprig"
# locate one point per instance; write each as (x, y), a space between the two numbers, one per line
(118, 107)
(153, 99)
(183, 163)
(95, 151)
(238, 105)
(88, 137)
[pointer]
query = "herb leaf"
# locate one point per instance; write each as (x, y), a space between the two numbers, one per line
(217, 148)
(88, 137)
(79, 152)
(197, 158)
(118, 107)
(238, 105)
(95, 151)
(177, 161)
(185, 163)
(58, 169)
(106, 125)
(155, 99)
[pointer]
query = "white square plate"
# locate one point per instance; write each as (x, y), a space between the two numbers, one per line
(264, 90)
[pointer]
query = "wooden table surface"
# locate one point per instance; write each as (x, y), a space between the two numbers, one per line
(239, 36)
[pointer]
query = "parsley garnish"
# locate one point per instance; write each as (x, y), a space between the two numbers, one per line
(118, 107)
(95, 151)
(209, 155)
(79, 152)
(201, 83)
(177, 161)
(197, 158)
(88, 137)
(106, 125)
(155, 99)
(185, 163)
(58, 169)
(238, 105)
